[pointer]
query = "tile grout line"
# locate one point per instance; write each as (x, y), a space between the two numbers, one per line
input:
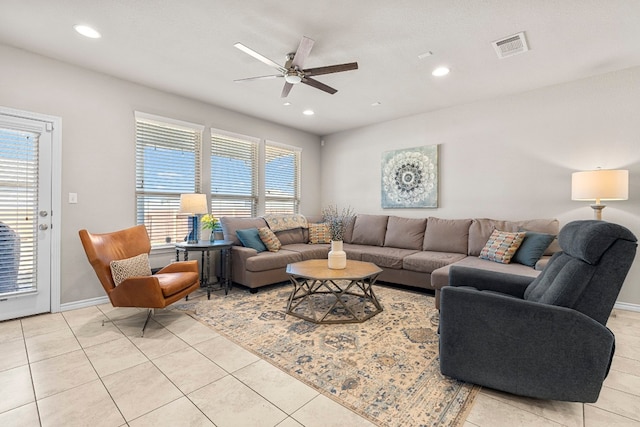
(33, 386)
(530, 412)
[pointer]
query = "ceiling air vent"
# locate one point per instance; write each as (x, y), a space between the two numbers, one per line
(511, 45)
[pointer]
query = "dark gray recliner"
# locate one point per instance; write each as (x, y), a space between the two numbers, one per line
(544, 337)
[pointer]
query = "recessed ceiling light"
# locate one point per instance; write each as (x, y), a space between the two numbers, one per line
(375, 104)
(425, 55)
(440, 71)
(308, 112)
(87, 31)
(286, 104)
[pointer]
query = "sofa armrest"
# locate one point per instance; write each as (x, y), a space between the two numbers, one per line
(522, 347)
(240, 253)
(542, 262)
(486, 280)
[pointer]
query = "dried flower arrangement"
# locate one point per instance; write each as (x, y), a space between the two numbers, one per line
(337, 220)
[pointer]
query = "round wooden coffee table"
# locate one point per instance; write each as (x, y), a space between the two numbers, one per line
(323, 295)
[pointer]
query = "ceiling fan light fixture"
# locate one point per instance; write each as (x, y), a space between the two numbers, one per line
(293, 77)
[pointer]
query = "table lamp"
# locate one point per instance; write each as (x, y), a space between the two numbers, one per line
(195, 205)
(598, 185)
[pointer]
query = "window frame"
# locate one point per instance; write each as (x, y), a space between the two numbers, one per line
(172, 197)
(295, 197)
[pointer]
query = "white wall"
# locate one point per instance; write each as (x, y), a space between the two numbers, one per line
(99, 146)
(507, 158)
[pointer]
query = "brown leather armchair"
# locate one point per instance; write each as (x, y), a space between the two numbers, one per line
(171, 283)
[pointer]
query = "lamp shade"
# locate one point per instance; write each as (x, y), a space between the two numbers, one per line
(193, 204)
(601, 184)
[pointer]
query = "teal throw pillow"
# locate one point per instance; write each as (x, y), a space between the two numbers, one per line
(532, 248)
(250, 238)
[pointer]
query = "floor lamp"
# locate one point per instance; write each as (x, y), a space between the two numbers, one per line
(599, 185)
(195, 205)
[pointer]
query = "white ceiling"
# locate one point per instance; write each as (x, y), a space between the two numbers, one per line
(186, 47)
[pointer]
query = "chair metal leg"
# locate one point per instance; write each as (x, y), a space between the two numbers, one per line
(149, 314)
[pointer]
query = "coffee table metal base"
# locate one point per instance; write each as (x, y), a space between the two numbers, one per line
(328, 301)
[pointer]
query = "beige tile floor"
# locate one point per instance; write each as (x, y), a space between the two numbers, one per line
(66, 369)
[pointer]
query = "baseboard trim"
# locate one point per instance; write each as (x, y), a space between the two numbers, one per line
(84, 303)
(627, 306)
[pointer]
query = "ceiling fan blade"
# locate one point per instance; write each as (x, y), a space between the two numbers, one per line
(304, 49)
(286, 89)
(259, 57)
(318, 85)
(273, 76)
(331, 69)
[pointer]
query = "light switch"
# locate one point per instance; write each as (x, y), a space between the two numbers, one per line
(73, 197)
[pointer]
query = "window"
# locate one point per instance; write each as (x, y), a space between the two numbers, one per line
(281, 179)
(234, 175)
(236, 189)
(167, 164)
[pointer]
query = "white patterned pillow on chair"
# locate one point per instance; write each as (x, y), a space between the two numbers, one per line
(130, 267)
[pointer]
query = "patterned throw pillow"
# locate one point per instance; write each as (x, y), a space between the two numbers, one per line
(319, 233)
(501, 246)
(269, 239)
(130, 267)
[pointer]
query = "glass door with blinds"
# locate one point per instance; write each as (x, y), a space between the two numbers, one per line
(25, 216)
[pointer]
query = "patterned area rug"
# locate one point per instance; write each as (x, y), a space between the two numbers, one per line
(385, 369)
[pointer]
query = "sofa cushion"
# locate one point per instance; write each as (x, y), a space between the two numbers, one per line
(250, 238)
(230, 224)
(481, 229)
(269, 239)
(319, 233)
(405, 233)
(447, 235)
(501, 246)
(266, 260)
(369, 229)
(348, 230)
(319, 251)
(427, 261)
(288, 237)
(532, 248)
(355, 251)
(385, 257)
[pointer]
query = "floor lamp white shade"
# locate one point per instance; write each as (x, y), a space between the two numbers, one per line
(194, 204)
(599, 185)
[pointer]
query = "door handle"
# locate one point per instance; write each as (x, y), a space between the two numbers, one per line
(43, 227)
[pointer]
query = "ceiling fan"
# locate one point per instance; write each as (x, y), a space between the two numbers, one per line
(292, 70)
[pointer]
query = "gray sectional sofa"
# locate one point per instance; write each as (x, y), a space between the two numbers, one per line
(416, 252)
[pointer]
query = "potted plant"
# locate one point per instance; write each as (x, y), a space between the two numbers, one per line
(210, 222)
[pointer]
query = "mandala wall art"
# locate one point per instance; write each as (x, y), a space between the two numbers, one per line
(410, 178)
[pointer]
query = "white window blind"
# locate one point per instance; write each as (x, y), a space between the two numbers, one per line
(18, 210)
(167, 164)
(281, 177)
(234, 175)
